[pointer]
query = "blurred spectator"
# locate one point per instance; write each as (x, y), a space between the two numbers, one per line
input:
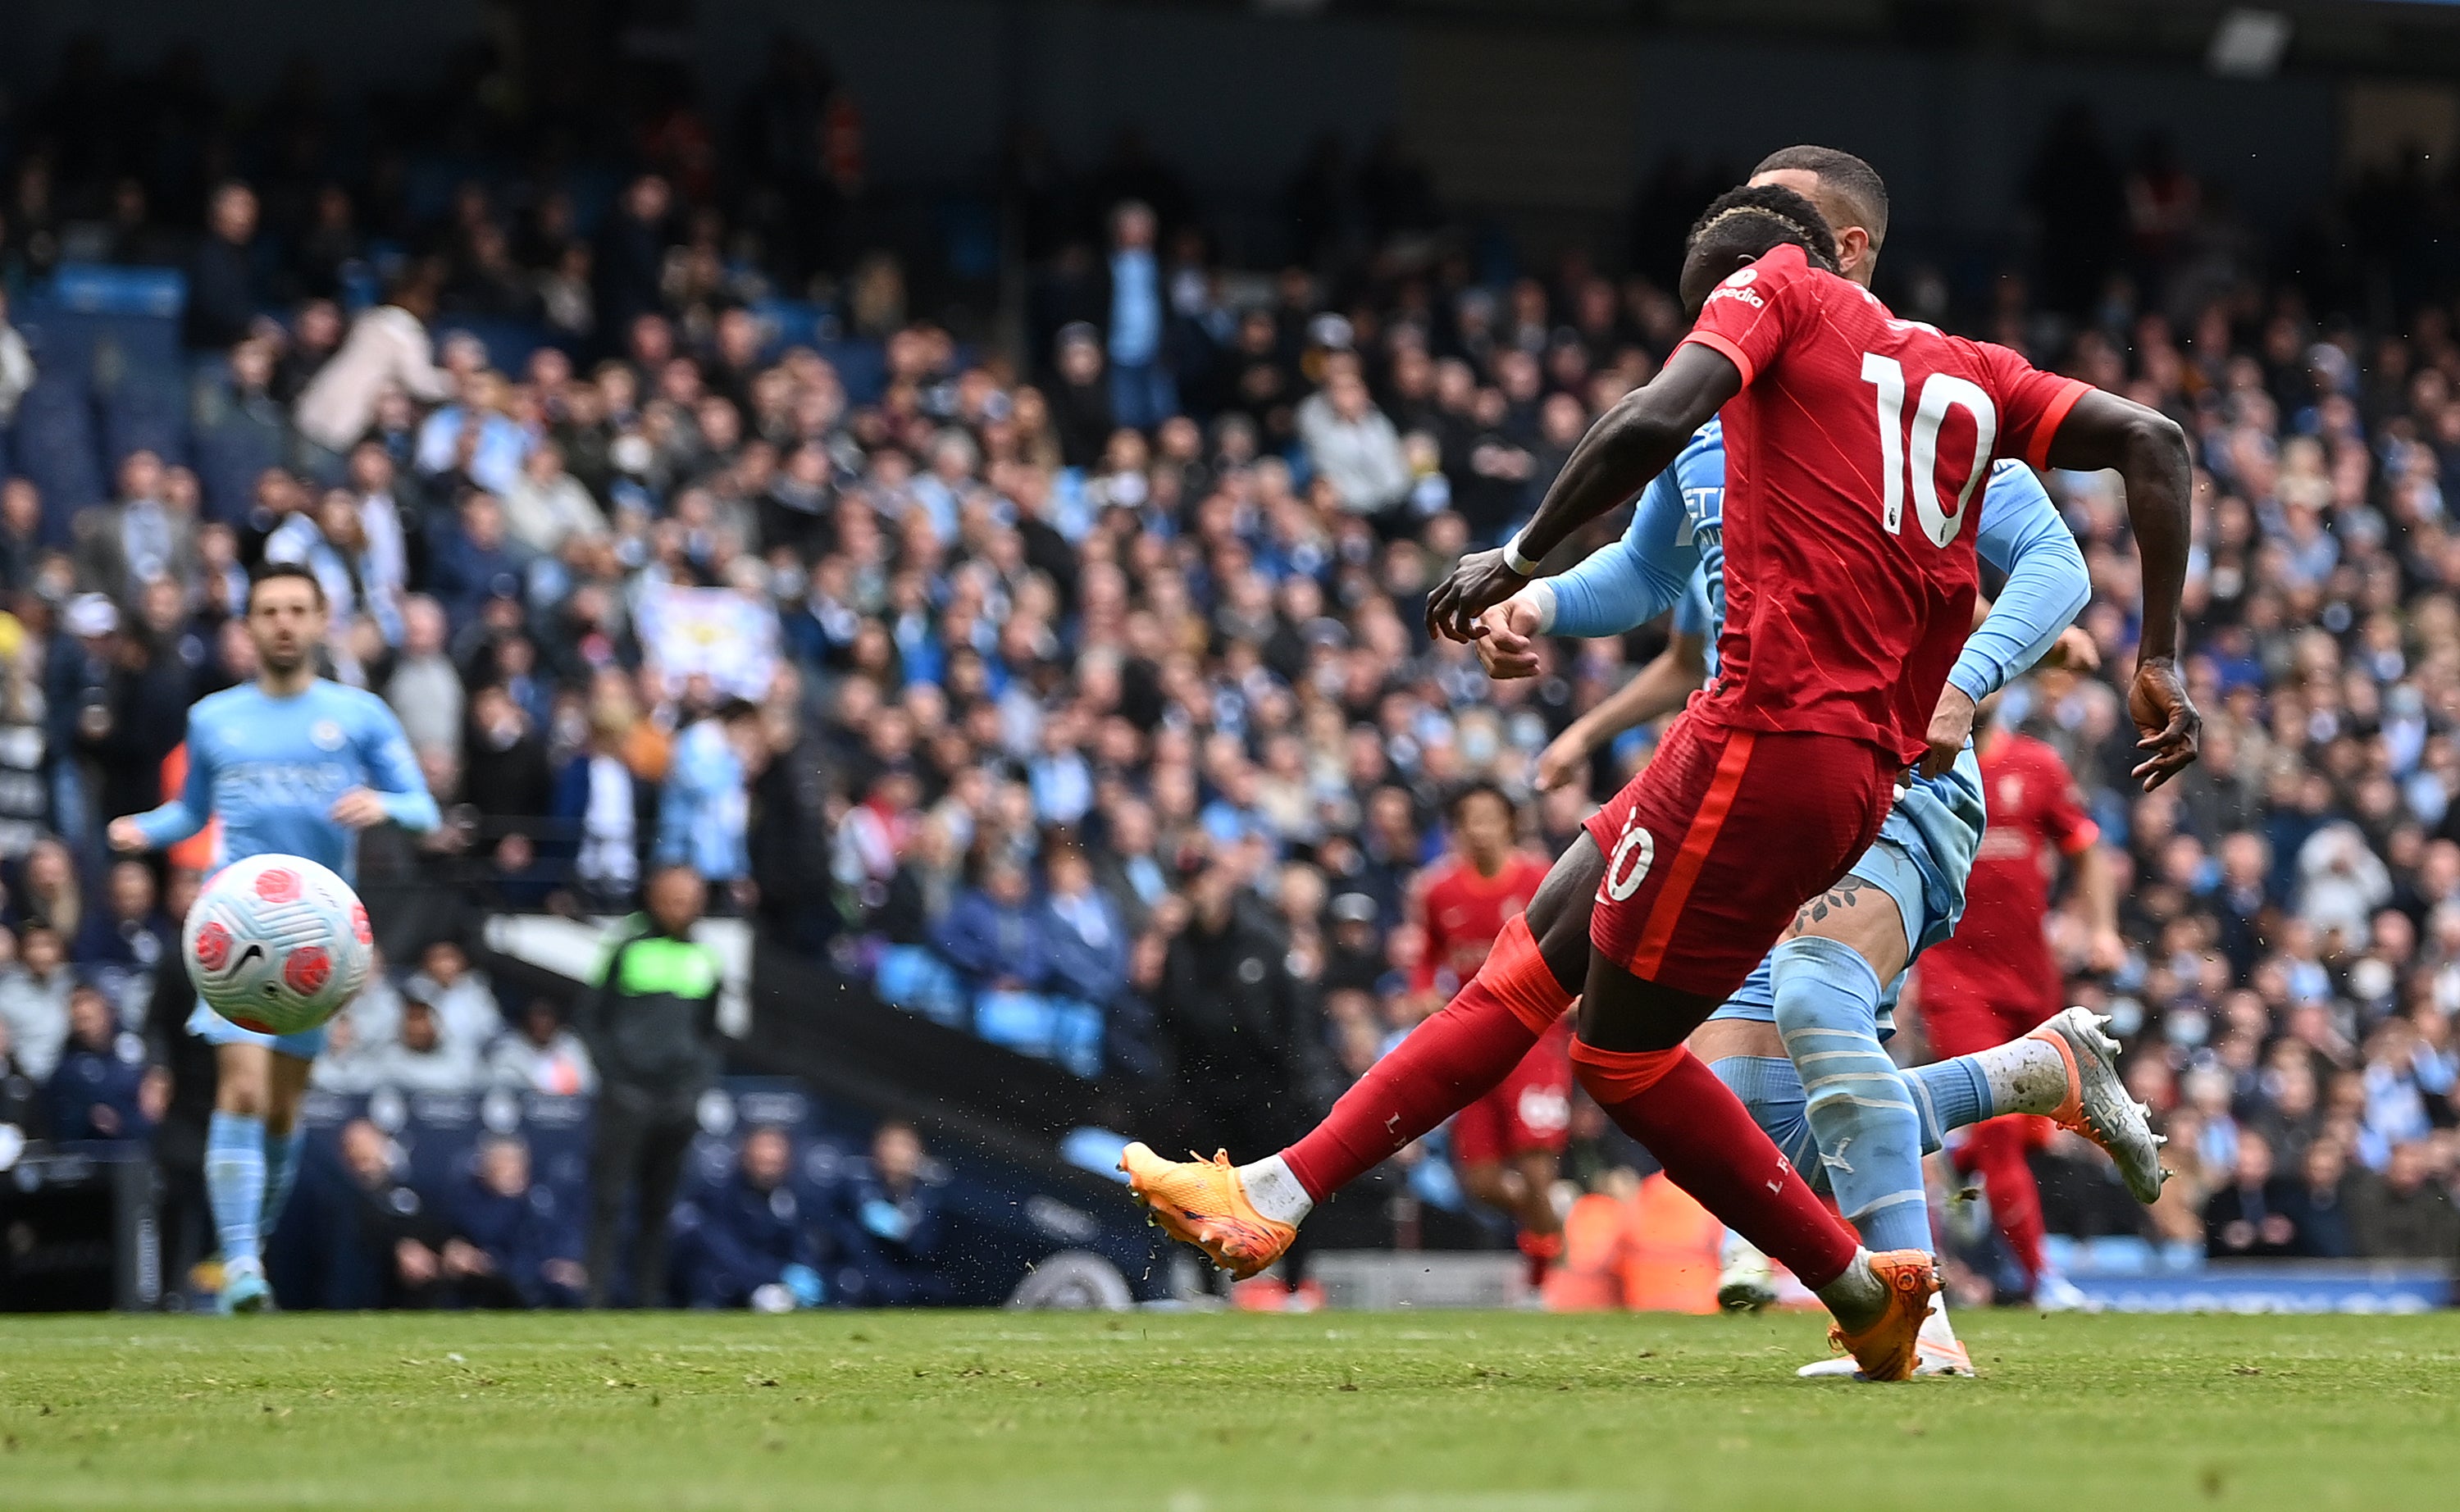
(651, 1023)
(1082, 932)
(1355, 447)
(702, 811)
(541, 1055)
(16, 365)
(420, 1058)
(2406, 1213)
(2318, 1206)
(421, 1260)
(1243, 1036)
(547, 506)
(2252, 1215)
(226, 284)
(123, 944)
(744, 1242)
(888, 1221)
(425, 689)
(991, 933)
(21, 1096)
(34, 1000)
(1143, 392)
(101, 1089)
(388, 347)
(464, 1001)
(529, 1243)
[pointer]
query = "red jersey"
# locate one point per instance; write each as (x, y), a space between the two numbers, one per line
(1465, 912)
(1854, 459)
(1999, 953)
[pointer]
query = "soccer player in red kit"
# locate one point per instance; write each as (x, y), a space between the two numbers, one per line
(1505, 1144)
(1997, 969)
(1846, 603)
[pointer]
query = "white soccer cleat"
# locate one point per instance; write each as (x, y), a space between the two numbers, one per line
(1936, 1350)
(2098, 1106)
(2053, 1292)
(1748, 1282)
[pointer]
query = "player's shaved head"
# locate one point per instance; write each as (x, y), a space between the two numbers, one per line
(1850, 194)
(1740, 226)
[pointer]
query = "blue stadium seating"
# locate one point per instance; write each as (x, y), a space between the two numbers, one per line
(54, 448)
(145, 409)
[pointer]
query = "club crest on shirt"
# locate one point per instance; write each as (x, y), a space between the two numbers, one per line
(327, 735)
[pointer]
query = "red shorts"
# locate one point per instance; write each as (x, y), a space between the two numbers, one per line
(1530, 1110)
(1719, 839)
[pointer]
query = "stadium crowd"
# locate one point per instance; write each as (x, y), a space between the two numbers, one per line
(1079, 696)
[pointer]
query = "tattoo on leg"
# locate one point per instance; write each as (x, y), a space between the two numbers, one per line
(1844, 894)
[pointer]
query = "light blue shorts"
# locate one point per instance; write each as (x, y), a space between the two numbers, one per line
(215, 1030)
(1888, 865)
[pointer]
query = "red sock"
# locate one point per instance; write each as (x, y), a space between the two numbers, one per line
(1670, 1101)
(1541, 1250)
(1445, 1064)
(1997, 1148)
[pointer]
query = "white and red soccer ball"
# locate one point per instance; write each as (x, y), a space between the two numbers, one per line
(277, 944)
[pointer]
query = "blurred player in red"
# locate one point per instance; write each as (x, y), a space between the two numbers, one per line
(1997, 969)
(1504, 1144)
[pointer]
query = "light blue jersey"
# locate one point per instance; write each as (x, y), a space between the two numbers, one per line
(270, 769)
(1673, 556)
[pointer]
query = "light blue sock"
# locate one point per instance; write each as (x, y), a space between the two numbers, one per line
(1949, 1096)
(281, 1175)
(1870, 1135)
(1769, 1086)
(235, 1182)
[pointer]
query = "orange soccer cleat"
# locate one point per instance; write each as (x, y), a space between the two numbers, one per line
(1886, 1349)
(1204, 1203)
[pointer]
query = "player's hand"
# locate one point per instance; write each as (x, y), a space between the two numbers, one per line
(1476, 583)
(358, 808)
(1563, 762)
(2073, 651)
(125, 835)
(1508, 647)
(2166, 719)
(1951, 725)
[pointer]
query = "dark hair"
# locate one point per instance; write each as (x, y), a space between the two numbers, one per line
(1749, 221)
(265, 572)
(1854, 182)
(1481, 789)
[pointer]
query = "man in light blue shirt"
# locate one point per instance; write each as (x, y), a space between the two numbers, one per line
(1142, 392)
(291, 764)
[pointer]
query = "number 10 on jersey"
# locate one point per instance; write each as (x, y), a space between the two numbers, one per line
(1916, 465)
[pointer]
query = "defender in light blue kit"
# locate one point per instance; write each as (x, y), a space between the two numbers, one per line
(291, 764)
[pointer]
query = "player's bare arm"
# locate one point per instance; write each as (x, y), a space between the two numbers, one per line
(1629, 444)
(1659, 688)
(2149, 453)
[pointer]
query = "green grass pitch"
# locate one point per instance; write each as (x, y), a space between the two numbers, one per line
(1178, 1413)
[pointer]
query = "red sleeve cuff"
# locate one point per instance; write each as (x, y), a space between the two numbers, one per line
(1723, 348)
(2047, 429)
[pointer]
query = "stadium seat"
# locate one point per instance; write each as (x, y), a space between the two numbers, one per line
(55, 450)
(144, 409)
(914, 979)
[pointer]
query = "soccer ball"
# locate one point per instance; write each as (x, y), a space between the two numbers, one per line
(277, 944)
